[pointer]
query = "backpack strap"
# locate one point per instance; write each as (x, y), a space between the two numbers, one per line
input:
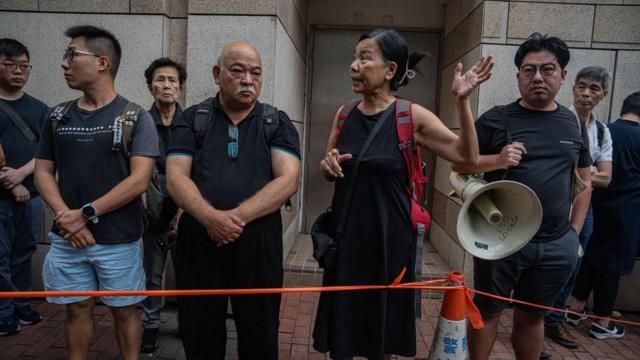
(347, 108)
(123, 128)
(270, 121)
(410, 152)
(600, 127)
(270, 124)
(204, 114)
(58, 113)
(19, 122)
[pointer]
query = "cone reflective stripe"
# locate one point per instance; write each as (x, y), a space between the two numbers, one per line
(450, 338)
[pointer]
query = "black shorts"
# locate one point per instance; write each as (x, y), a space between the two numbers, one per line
(536, 274)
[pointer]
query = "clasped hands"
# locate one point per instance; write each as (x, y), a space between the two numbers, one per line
(224, 227)
(11, 179)
(72, 226)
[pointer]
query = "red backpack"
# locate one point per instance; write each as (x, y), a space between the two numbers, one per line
(420, 218)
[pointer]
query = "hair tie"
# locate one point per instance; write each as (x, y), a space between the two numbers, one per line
(408, 73)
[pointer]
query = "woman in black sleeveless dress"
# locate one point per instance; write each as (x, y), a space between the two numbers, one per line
(378, 240)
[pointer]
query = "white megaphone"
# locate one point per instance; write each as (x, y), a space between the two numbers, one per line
(496, 219)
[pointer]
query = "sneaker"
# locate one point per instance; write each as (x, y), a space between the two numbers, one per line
(29, 318)
(612, 332)
(149, 341)
(574, 319)
(559, 333)
(9, 327)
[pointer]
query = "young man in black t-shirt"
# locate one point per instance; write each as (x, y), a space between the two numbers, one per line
(546, 143)
(96, 238)
(230, 235)
(20, 203)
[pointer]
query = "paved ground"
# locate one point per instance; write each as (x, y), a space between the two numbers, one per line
(46, 339)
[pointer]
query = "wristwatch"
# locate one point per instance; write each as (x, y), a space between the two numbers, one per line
(89, 213)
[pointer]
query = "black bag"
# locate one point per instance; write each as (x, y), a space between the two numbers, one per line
(325, 235)
(325, 246)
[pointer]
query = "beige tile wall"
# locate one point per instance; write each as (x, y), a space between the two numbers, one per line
(236, 7)
(19, 5)
(89, 6)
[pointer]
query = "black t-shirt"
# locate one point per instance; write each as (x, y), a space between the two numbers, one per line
(88, 168)
(226, 182)
(553, 144)
(18, 150)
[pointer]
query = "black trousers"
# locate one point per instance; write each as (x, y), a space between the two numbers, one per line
(253, 261)
(602, 278)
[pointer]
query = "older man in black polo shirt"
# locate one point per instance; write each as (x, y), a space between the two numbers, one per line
(231, 176)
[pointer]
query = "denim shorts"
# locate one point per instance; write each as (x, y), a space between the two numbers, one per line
(98, 267)
(536, 273)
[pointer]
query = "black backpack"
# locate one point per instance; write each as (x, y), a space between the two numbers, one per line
(204, 114)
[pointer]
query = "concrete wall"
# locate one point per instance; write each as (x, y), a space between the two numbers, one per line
(43, 34)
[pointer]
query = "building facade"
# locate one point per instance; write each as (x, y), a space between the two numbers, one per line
(306, 48)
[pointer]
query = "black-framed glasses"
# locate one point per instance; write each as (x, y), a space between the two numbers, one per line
(546, 70)
(70, 53)
(232, 146)
(13, 66)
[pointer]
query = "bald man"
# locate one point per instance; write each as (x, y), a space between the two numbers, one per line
(231, 164)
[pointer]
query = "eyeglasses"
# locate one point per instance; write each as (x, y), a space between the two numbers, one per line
(232, 146)
(69, 54)
(13, 66)
(546, 70)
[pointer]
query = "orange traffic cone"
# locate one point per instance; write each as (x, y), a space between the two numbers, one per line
(450, 338)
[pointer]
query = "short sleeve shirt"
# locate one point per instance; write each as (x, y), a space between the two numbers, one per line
(89, 167)
(599, 151)
(223, 180)
(553, 144)
(18, 150)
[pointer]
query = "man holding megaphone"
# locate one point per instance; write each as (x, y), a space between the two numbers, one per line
(539, 143)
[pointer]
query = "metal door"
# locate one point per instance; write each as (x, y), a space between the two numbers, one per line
(331, 86)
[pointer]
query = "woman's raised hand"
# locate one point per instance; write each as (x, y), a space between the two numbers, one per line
(464, 84)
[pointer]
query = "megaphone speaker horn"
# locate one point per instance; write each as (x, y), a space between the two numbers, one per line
(496, 219)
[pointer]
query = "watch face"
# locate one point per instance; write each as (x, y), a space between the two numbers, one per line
(88, 211)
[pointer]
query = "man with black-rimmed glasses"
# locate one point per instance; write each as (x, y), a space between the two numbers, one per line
(537, 142)
(20, 203)
(102, 148)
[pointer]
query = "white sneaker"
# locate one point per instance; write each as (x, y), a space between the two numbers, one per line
(612, 332)
(575, 319)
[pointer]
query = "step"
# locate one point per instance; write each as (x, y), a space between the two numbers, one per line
(301, 269)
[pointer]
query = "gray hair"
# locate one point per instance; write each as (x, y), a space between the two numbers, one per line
(595, 73)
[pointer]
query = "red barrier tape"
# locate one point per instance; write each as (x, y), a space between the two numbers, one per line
(472, 311)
